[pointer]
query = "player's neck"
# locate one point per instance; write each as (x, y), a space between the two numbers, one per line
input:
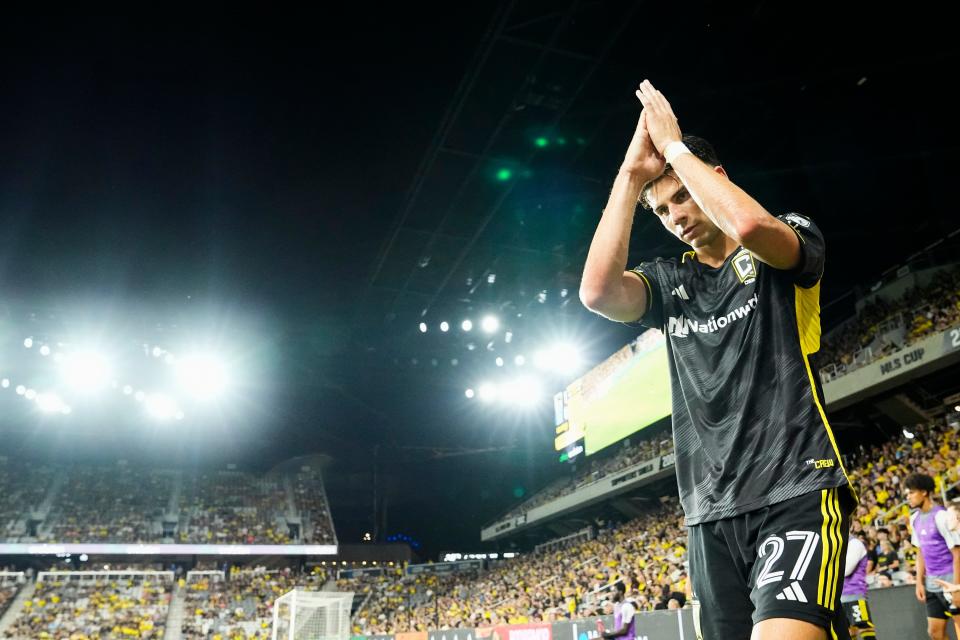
(716, 253)
(926, 506)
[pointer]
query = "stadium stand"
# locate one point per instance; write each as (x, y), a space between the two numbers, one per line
(884, 326)
(129, 504)
(80, 605)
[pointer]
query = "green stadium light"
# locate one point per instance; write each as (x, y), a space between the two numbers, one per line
(561, 141)
(541, 142)
(504, 174)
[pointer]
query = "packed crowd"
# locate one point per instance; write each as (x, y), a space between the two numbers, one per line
(229, 507)
(9, 586)
(76, 608)
(120, 504)
(130, 504)
(23, 487)
(238, 605)
(631, 452)
(311, 500)
(919, 312)
(649, 555)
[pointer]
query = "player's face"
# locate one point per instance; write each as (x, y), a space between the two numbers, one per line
(915, 497)
(679, 213)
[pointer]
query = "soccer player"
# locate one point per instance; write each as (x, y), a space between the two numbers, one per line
(854, 594)
(624, 616)
(939, 557)
(760, 477)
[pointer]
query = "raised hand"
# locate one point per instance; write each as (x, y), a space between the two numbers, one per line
(642, 157)
(661, 123)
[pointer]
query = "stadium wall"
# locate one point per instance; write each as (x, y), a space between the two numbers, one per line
(896, 612)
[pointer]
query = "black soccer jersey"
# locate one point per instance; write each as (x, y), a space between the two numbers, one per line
(748, 420)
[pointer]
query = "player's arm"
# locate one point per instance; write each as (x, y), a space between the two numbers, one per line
(731, 208)
(607, 287)
(921, 574)
(956, 563)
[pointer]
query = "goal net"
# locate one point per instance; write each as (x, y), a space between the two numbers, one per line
(312, 615)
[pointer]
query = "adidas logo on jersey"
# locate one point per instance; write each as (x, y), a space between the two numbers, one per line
(682, 326)
(680, 292)
(792, 592)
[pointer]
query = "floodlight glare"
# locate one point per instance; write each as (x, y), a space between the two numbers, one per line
(487, 392)
(561, 358)
(444, 326)
(50, 403)
(423, 327)
(160, 406)
(490, 324)
(86, 371)
(202, 376)
(466, 325)
(469, 393)
(524, 391)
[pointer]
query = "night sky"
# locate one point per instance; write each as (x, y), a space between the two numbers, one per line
(310, 187)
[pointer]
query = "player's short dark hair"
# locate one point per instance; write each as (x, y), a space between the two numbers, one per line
(698, 147)
(620, 586)
(919, 482)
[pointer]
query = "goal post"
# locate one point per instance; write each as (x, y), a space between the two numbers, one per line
(312, 615)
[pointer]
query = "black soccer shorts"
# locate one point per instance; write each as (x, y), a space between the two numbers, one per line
(781, 561)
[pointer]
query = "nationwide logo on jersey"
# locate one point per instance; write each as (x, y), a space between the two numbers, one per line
(682, 327)
(745, 267)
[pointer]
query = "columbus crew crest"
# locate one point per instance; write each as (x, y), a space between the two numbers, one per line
(745, 267)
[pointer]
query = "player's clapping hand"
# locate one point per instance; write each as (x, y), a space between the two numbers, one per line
(661, 123)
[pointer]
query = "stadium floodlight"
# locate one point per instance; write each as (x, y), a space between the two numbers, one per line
(907, 434)
(5, 383)
(444, 326)
(21, 390)
(127, 389)
(519, 361)
(423, 327)
(957, 408)
(524, 391)
(157, 352)
(561, 358)
(45, 350)
(487, 392)
(469, 393)
(86, 371)
(28, 343)
(30, 394)
(50, 403)
(466, 325)
(202, 375)
(490, 324)
(160, 406)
